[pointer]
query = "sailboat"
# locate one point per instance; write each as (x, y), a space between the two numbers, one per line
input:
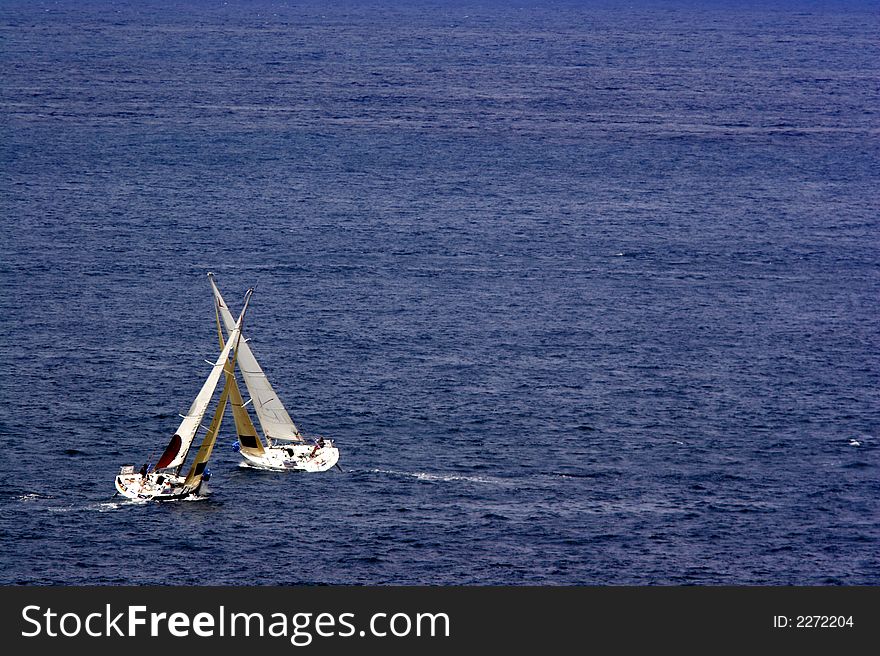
(282, 447)
(164, 481)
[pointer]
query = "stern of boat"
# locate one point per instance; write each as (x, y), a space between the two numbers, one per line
(151, 487)
(323, 459)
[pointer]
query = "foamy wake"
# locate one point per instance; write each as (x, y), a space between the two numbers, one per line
(33, 496)
(101, 506)
(445, 478)
(105, 506)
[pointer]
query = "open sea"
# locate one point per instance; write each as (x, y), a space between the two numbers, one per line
(586, 292)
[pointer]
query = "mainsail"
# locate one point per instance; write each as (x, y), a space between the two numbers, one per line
(248, 438)
(272, 414)
(200, 463)
(178, 447)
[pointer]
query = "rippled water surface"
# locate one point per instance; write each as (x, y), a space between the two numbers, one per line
(585, 294)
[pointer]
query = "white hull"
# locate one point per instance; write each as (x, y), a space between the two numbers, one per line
(152, 487)
(294, 457)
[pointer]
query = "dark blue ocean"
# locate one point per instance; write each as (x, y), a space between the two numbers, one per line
(586, 293)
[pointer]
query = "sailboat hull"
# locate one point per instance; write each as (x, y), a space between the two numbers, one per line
(294, 457)
(153, 487)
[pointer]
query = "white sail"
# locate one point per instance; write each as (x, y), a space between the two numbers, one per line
(274, 419)
(175, 452)
(248, 438)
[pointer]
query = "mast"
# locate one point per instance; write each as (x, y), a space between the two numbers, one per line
(200, 462)
(248, 439)
(177, 449)
(271, 413)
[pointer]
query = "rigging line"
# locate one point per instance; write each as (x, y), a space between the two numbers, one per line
(150, 459)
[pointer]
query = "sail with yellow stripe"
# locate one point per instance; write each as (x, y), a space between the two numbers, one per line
(271, 413)
(248, 437)
(200, 463)
(177, 449)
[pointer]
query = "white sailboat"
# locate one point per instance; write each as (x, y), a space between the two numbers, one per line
(164, 482)
(282, 447)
